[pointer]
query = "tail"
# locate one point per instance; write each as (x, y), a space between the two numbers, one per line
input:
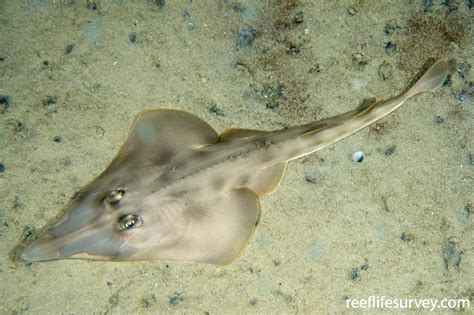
(431, 80)
(322, 133)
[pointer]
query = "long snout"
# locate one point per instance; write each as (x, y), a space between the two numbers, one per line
(91, 241)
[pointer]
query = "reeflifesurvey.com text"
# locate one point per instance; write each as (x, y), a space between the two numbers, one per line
(383, 302)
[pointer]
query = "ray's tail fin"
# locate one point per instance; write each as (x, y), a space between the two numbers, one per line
(322, 133)
(431, 80)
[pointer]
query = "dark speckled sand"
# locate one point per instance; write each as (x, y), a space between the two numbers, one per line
(73, 75)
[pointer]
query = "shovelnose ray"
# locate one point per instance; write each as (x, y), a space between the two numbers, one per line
(179, 191)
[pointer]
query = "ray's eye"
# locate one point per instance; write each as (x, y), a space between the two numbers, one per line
(114, 196)
(129, 221)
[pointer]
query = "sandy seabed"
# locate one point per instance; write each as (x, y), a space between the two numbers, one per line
(74, 75)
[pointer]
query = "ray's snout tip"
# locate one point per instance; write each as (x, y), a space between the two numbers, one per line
(40, 250)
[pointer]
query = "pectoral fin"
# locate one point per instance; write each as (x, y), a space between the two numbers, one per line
(214, 233)
(158, 135)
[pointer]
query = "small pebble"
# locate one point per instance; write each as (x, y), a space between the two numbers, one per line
(295, 50)
(216, 110)
(298, 17)
(391, 28)
(464, 216)
(360, 60)
(239, 7)
(272, 96)
(464, 68)
(160, 3)
(21, 129)
(91, 6)
(427, 5)
(176, 298)
(132, 37)
(95, 87)
(351, 11)
(50, 100)
(69, 48)
(452, 5)
(57, 139)
(28, 231)
(245, 37)
(354, 273)
(358, 156)
(448, 82)
(114, 299)
(4, 103)
(315, 69)
(2, 167)
(463, 95)
(313, 177)
(362, 65)
(149, 301)
(185, 15)
(406, 237)
(272, 106)
(99, 131)
(466, 92)
(385, 71)
(452, 254)
(390, 47)
(390, 150)
(17, 204)
(439, 119)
